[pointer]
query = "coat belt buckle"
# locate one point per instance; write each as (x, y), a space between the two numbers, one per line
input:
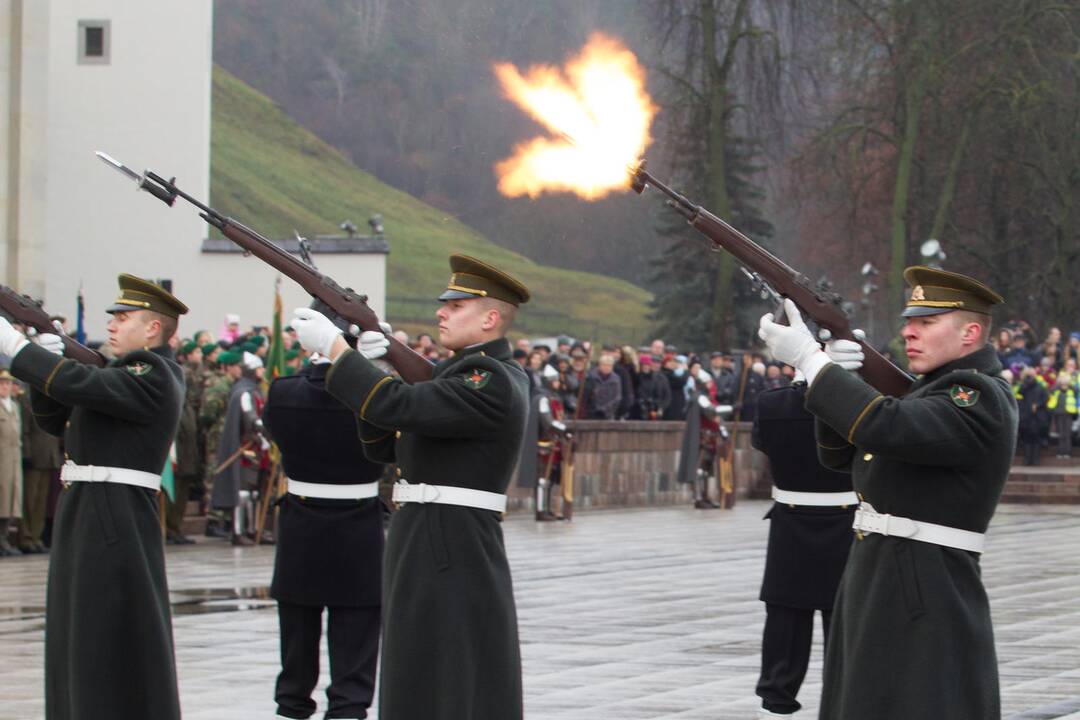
(427, 493)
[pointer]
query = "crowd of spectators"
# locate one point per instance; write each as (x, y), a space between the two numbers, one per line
(1046, 384)
(646, 383)
(654, 382)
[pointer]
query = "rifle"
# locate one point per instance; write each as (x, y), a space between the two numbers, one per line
(28, 311)
(351, 306)
(820, 305)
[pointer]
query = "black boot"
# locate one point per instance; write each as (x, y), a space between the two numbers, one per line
(6, 548)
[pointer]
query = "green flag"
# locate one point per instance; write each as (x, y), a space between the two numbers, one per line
(275, 357)
(168, 483)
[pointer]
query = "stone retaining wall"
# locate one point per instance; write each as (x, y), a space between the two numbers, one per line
(630, 463)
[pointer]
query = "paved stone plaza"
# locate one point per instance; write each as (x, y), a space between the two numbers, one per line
(624, 615)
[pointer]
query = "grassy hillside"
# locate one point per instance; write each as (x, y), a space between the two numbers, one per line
(270, 173)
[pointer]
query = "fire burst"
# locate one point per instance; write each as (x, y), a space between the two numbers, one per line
(599, 113)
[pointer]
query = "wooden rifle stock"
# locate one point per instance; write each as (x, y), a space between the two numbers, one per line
(24, 309)
(351, 306)
(820, 306)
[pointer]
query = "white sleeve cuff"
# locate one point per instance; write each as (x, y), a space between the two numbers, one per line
(811, 366)
(22, 343)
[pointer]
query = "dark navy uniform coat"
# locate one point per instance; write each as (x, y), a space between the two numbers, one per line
(450, 641)
(911, 635)
(108, 634)
(808, 546)
(329, 552)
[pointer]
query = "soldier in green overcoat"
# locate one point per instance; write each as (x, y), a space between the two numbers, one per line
(212, 407)
(911, 635)
(108, 629)
(450, 643)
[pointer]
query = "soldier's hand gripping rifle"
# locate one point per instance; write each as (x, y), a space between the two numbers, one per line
(351, 306)
(24, 309)
(821, 306)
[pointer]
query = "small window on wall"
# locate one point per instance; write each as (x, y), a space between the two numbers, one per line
(94, 42)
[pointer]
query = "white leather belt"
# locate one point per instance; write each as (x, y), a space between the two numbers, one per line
(70, 472)
(868, 520)
(815, 499)
(448, 495)
(333, 492)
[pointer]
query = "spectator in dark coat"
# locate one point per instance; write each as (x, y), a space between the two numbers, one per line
(1031, 396)
(1018, 354)
(626, 368)
(675, 372)
(603, 390)
(755, 385)
(653, 391)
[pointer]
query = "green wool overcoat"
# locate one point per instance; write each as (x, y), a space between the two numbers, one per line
(450, 641)
(108, 629)
(911, 635)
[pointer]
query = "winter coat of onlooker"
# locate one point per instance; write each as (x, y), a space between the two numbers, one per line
(1062, 406)
(755, 385)
(11, 476)
(1018, 354)
(626, 367)
(603, 390)
(675, 373)
(653, 391)
(1031, 398)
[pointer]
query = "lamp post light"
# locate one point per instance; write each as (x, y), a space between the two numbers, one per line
(375, 221)
(932, 253)
(869, 287)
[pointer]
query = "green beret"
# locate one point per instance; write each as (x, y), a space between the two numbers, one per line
(257, 341)
(292, 354)
(296, 345)
(187, 347)
(229, 358)
(248, 347)
(472, 278)
(139, 294)
(209, 348)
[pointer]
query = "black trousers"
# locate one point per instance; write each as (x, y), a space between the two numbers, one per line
(353, 645)
(785, 655)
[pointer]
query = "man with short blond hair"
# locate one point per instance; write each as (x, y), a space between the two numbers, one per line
(911, 635)
(108, 628)
(448, 605)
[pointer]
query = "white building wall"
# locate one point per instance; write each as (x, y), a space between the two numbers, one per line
(245, 286)
(67, 220)
(149, 106)
(24, 83)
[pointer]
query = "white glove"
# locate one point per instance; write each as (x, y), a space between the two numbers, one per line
(354, 330)
(314, 330)
(703, 401)
(793, 344)
(11, 340)
(52, 343)
(848, 354)
(373, 344)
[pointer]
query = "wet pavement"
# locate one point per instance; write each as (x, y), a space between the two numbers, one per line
(623, 614)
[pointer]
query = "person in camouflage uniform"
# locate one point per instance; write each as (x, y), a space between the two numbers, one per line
(189, 457)
(215, 401)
